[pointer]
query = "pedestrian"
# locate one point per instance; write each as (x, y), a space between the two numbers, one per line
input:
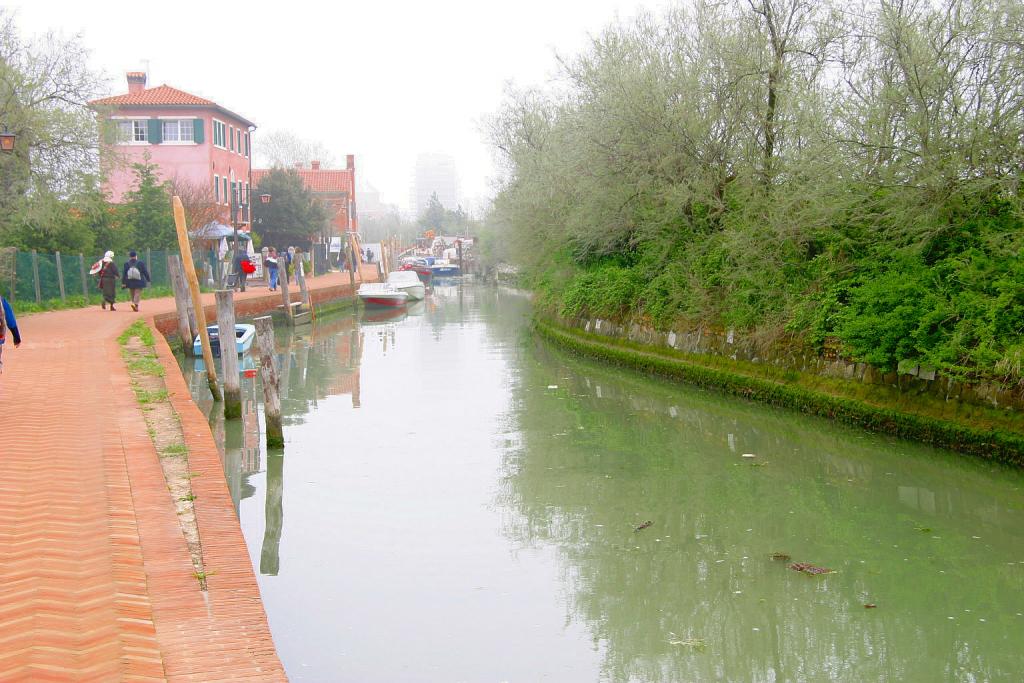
(243, 266)
(369, 255)
(107, 279)
(272, 268)
(288, 266)
(135, 278)
(7, 322)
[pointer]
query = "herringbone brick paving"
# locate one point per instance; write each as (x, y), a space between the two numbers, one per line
(96, 581)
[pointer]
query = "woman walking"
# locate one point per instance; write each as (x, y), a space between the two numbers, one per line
(108, 277)
(135, 277)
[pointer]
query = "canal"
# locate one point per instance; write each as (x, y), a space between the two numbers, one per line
(458, 501)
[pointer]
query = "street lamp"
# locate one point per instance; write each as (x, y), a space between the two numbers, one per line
(7, 141)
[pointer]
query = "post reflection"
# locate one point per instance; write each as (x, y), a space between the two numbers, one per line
(270, 554)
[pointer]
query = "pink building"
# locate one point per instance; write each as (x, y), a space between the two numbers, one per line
(189, 138)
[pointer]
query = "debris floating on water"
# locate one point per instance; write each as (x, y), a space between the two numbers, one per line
(808, 568)
(780, 557)
(552, 386)
(870, 605)
(693, 643)
(643, 526)
(749, 455)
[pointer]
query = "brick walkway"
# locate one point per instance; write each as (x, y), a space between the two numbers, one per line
(96, 582)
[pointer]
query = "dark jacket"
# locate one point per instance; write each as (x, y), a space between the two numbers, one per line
(135, 283)
(9, 322)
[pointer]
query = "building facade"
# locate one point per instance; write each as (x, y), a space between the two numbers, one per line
(333, 186)
(434, 174)
(188, 138)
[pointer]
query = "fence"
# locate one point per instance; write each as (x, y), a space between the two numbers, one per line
(31, 276)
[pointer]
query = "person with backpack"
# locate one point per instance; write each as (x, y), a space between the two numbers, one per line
(135, 278)
(7, 322)
(107, 279)
(272, 268)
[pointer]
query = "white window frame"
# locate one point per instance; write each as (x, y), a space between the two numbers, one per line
(223, 140)
(132, 121)
(183, 126)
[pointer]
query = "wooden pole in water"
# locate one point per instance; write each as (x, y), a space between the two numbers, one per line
(282, 281)
(197, 301)
(180, 296)
(269, 379)
(228, 353)
(300, 277)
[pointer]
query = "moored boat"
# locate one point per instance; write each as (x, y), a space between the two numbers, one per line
(244, 336)
(381, 294)
(445, 269)
(409, 282)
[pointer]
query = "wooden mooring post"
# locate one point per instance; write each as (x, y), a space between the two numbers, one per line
(270, 380)
(185, 329)
(307, 300)
(282, 281)
(197, 301)
(228, 353)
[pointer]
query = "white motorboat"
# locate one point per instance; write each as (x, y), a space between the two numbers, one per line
(409, 282)
(244, 337)
(381, 294)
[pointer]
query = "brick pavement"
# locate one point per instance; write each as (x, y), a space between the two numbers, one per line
(96, 582)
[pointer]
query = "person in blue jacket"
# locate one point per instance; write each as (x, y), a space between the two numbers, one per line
(8, 323)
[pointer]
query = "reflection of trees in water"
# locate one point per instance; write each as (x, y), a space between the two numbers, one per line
(608, 450)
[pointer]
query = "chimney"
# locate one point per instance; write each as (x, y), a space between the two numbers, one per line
(315, 165)
(298, 165)
(136, 81)
(350, 161)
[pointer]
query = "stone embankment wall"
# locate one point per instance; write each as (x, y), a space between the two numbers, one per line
(790, 355)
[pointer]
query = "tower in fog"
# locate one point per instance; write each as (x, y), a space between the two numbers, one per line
(434, 173)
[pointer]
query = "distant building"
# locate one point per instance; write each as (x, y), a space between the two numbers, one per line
(370, 205)
(335, 187)
(187, 137)
(434, 174)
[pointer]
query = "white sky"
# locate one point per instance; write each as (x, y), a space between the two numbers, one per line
(383, 80)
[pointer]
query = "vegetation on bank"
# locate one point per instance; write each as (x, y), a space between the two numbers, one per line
(835, 171)
(997, 443)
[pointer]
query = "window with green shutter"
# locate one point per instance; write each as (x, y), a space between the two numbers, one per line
(246, 144)
(231, 136)
(216, 188)
(155, 132)
(197, 131)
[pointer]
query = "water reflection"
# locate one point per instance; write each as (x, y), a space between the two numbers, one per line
(443, 466)
(932, 538)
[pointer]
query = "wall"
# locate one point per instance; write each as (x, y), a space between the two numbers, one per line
(786, 353)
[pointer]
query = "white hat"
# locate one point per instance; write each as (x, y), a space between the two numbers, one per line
(109, 256)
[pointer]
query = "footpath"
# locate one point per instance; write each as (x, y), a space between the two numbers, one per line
(96, 581)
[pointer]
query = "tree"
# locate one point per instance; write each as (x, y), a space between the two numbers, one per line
(284, 149)
(45, 87)
(147, 210)
(198, 201)
(294, 214)
(443, 220)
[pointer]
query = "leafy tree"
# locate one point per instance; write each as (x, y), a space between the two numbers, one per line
(147, 209)
(442, 220)
(294, 214)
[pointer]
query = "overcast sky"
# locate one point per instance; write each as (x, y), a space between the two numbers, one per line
(378, 79)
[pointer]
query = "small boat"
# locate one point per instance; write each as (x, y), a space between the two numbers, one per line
(244, 337)
(381, 294)
(409, 282)
(445, 269)
(420, 267)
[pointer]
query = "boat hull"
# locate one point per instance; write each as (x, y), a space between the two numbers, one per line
(384, 299)
(244, 337)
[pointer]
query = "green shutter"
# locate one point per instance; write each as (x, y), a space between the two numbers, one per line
(246, 144)
(155, 132)
(197, 131)
(232, 142)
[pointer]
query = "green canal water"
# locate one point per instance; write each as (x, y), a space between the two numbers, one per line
(459, 502)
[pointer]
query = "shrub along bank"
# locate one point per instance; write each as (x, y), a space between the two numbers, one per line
(785, 167)
(999, 444)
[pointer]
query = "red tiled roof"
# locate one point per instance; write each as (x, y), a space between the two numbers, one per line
(163, 94)
(320, 180)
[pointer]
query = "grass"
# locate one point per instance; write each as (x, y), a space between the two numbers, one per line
(146, 365)
(139, 329)
(176, 449)
(144, 396)
(79, 301)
